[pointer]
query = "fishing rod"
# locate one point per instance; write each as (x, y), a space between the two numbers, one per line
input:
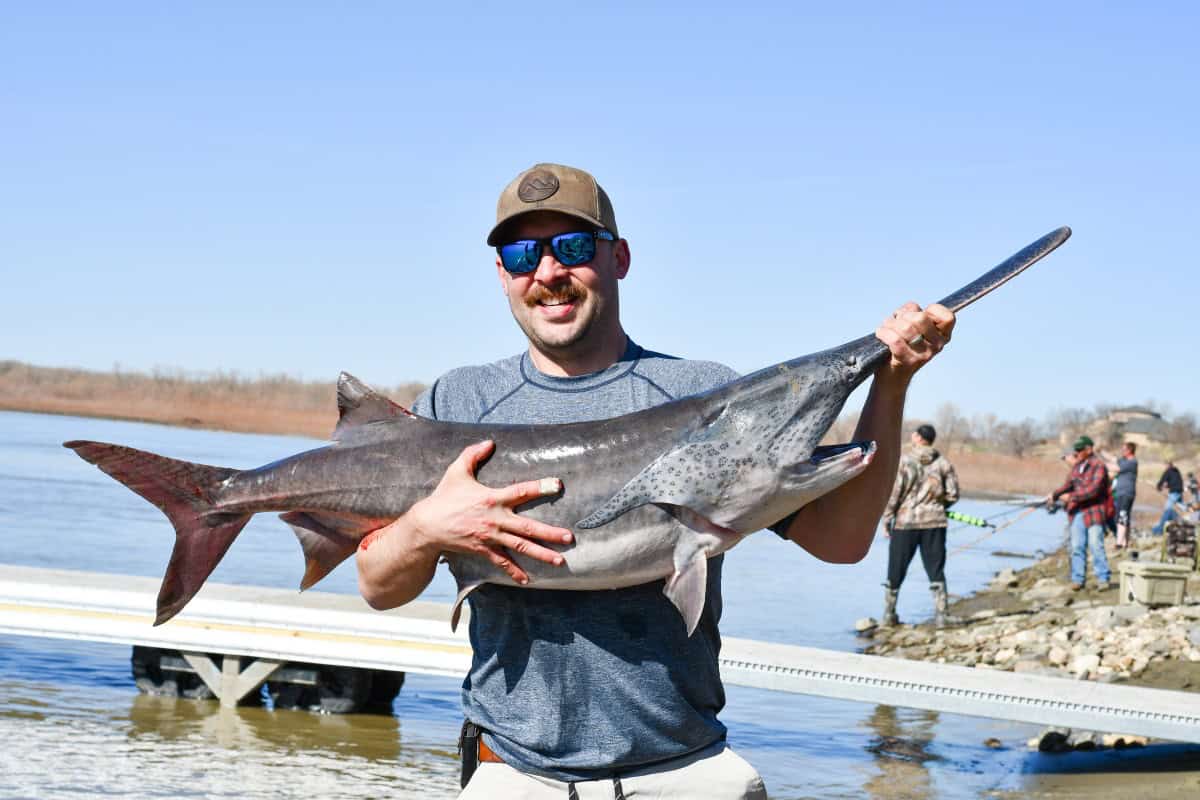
(967, 519)
(996, 528)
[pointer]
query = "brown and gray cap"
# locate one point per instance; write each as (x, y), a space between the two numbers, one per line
(554, 187)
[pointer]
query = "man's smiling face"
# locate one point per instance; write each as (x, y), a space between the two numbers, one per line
(566, 312)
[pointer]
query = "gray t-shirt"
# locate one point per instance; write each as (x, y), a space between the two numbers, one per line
(579, 685)
(1126, 482)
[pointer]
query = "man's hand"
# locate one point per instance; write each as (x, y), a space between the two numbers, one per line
(914, 336)
(464, 516)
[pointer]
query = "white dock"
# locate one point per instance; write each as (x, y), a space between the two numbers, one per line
(276, 626)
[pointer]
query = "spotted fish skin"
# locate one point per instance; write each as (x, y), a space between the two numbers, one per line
(650, 495)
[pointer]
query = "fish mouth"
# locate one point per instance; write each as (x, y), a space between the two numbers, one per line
(849, 452)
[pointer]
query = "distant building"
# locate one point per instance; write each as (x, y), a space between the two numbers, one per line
(1135, 424)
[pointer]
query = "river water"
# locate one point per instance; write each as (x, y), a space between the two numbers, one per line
(73, 725)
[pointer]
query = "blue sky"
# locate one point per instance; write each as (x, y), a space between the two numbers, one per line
(298, 188)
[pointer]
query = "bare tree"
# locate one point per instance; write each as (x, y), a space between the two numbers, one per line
(983, 427)
(1016, 438)
(952, 427)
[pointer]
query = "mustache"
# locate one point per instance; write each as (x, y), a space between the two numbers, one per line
(561, 294)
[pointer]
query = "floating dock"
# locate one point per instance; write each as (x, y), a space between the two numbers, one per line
(273, 627)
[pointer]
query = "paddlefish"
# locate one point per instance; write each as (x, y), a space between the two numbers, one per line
(650, 495)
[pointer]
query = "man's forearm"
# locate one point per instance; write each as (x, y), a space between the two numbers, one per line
(392, 570)
(840, 526)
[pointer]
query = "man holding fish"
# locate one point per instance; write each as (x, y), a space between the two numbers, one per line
(607, 686)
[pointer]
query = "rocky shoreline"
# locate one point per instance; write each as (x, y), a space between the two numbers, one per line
(1031, 621)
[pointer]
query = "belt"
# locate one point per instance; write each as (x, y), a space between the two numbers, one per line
(486, 754)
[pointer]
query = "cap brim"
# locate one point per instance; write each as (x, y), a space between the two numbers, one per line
(495, 237)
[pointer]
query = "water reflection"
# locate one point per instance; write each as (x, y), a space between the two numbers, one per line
(139, 746)
(372, 736)
(901, 746)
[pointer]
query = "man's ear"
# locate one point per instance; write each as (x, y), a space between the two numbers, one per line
(503, 275)
(622, 256)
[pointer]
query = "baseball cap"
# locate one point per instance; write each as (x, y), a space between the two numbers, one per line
(554, 187)
(1082, 442)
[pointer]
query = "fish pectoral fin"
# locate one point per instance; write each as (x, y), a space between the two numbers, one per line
(687, 588)
(359, 404)
(680, 477)
(464, 589)
(326, 540)
(700, 523)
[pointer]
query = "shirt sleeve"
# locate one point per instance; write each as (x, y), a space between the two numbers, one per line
(951, 484)
(423, 406)
(899, 488)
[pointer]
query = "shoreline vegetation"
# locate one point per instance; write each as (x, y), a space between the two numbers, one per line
(274, 404)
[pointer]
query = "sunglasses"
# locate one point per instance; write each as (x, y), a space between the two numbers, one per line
(571, 250)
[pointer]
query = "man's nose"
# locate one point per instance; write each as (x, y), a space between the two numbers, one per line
(549, 268)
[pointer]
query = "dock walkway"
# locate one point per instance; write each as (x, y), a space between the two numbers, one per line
(275, 626)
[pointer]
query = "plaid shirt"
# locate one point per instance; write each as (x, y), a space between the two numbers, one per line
(1087, 490)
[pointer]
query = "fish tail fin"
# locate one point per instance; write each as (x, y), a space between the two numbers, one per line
(186, 493)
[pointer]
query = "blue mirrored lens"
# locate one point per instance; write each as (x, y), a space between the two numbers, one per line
(521, 257)
(572, 249)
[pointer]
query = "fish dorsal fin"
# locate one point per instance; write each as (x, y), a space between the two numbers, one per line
(359, 404)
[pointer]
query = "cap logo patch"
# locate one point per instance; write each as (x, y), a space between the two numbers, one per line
(537, 186)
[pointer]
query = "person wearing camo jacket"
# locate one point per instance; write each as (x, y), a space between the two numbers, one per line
(915, 519)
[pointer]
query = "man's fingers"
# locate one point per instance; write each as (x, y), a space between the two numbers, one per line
(943, 318)
(501, 560)
(471, 456)
(526, 491)
(530, 549)
(532, 529)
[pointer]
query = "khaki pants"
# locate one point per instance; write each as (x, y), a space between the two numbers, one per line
(715, 773)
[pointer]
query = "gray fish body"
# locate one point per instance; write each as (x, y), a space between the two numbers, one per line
(649, 495)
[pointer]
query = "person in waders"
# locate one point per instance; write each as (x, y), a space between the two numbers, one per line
(915, 519)
(597, 693)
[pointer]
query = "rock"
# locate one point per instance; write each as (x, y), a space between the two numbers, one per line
(1085, 665)
(1194, 635)
(986, 613)
(1005, 655)
(1005, 579)
(993, 743)
(1102, 618)
(1057, 656)
(1130, 613)
(1046, 589)
(1028, 636)
(1159, 646)
(1082, 740)
(1038, 651)
(865, 624)
(1053, 740)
